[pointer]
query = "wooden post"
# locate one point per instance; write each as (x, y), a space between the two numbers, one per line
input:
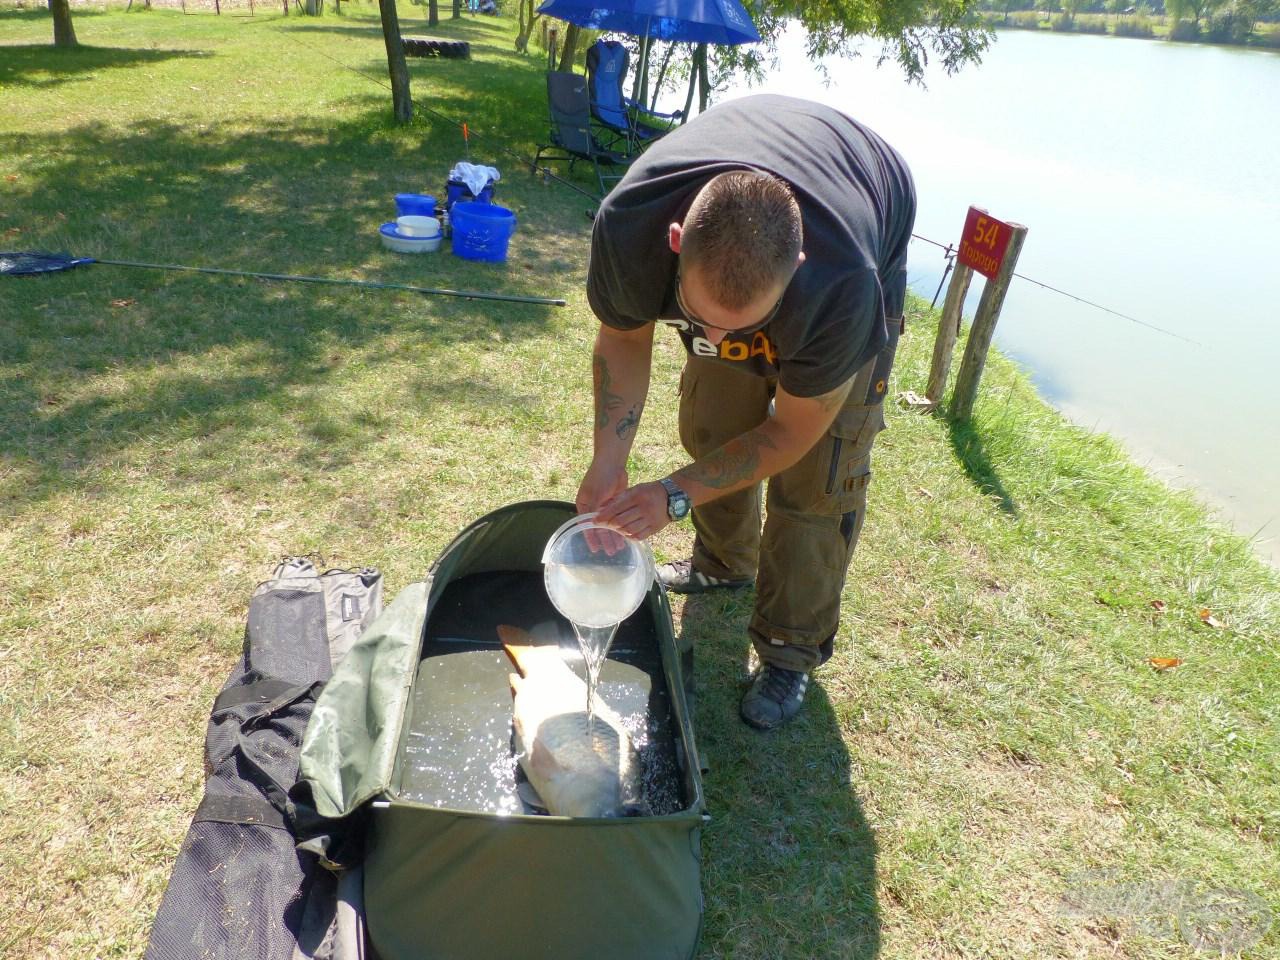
(984, 328)
(948, 331)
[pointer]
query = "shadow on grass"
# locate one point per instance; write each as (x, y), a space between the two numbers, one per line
(970, 451)
(485, 95)
(789, 859)
(301, 198)
(414, 26)
(42, 13)
(35, 65)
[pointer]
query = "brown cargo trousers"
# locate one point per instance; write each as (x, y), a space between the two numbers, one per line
(814, 509)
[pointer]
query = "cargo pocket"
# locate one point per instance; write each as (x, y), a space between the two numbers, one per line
(831, 478)
(851, 436)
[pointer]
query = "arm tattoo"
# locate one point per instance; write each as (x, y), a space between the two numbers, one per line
(737, 460)
(628, 423)
(606, 400)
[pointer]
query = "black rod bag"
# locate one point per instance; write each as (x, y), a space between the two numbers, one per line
(239, 889)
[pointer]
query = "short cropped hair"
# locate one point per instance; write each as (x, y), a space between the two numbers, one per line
(743, 233)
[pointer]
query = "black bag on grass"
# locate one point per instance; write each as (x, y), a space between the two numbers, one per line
(240, 890)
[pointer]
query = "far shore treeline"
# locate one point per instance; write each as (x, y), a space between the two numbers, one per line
(1240, 22)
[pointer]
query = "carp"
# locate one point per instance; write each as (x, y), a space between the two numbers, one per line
(578, 772)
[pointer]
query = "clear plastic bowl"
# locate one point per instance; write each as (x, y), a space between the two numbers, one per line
(594, 575)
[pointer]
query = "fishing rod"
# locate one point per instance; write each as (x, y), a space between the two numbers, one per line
(34, 262)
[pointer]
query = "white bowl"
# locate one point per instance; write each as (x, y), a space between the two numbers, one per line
(392, 240)
(414, 226)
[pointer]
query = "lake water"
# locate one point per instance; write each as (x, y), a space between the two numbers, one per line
(1148, 174)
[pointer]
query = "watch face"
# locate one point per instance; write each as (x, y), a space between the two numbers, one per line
(677, 501)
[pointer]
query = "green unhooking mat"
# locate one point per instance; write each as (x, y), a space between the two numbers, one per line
(413, 730)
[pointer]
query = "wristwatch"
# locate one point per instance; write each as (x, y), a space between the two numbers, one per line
(677, 500)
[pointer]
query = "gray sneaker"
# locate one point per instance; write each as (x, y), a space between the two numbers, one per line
(775, 696)
(680, 577)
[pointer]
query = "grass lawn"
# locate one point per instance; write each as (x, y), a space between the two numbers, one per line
(989, 767)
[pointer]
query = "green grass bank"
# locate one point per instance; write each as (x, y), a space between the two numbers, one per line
(989, 766)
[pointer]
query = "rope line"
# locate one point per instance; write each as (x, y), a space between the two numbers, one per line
(950, 254)
(947, 248)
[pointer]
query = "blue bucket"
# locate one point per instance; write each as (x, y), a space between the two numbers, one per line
(458, 192)
(481, 231)
(415, 205)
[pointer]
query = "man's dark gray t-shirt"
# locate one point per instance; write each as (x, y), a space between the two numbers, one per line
(857, 205)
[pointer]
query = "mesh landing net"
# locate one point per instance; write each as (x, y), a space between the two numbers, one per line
(38, 261)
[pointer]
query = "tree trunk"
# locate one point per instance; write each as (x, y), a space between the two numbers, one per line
(643, 67)
(662, 75)
(401, 101)
(457, 9)
(64, 33)
(693, 82)
(640, 88)
(570, 48)
(433, 13)
(704, 84)
(528, 18)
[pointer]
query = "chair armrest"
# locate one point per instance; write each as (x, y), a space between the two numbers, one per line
(641, 108)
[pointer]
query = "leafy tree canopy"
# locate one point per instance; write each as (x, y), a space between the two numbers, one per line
(911, 33)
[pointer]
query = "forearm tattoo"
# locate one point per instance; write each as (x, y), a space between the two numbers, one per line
(606, 400)
(737, 460)
(628, 423)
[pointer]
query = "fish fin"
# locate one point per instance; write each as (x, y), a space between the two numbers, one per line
(516, 643)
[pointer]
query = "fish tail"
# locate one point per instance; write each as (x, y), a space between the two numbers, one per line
(517, 643)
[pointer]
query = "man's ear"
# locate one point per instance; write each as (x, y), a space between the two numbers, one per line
(674, 232)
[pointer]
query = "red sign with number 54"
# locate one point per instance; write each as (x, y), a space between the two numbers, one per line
(984, 242)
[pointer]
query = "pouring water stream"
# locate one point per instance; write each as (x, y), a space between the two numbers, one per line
(595, 589)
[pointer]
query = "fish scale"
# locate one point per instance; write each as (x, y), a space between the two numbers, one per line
(579, 769)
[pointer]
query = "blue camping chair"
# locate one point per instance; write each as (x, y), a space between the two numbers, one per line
(607, 63)
(576, 135)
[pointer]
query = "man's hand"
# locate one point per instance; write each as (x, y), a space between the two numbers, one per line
(639, 512)
(600, 484)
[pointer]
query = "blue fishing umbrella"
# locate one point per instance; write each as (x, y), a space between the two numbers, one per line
(690, 21)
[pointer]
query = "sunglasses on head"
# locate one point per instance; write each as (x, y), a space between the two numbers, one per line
(750, 328)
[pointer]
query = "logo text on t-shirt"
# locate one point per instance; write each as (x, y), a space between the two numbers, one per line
(758, 352)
